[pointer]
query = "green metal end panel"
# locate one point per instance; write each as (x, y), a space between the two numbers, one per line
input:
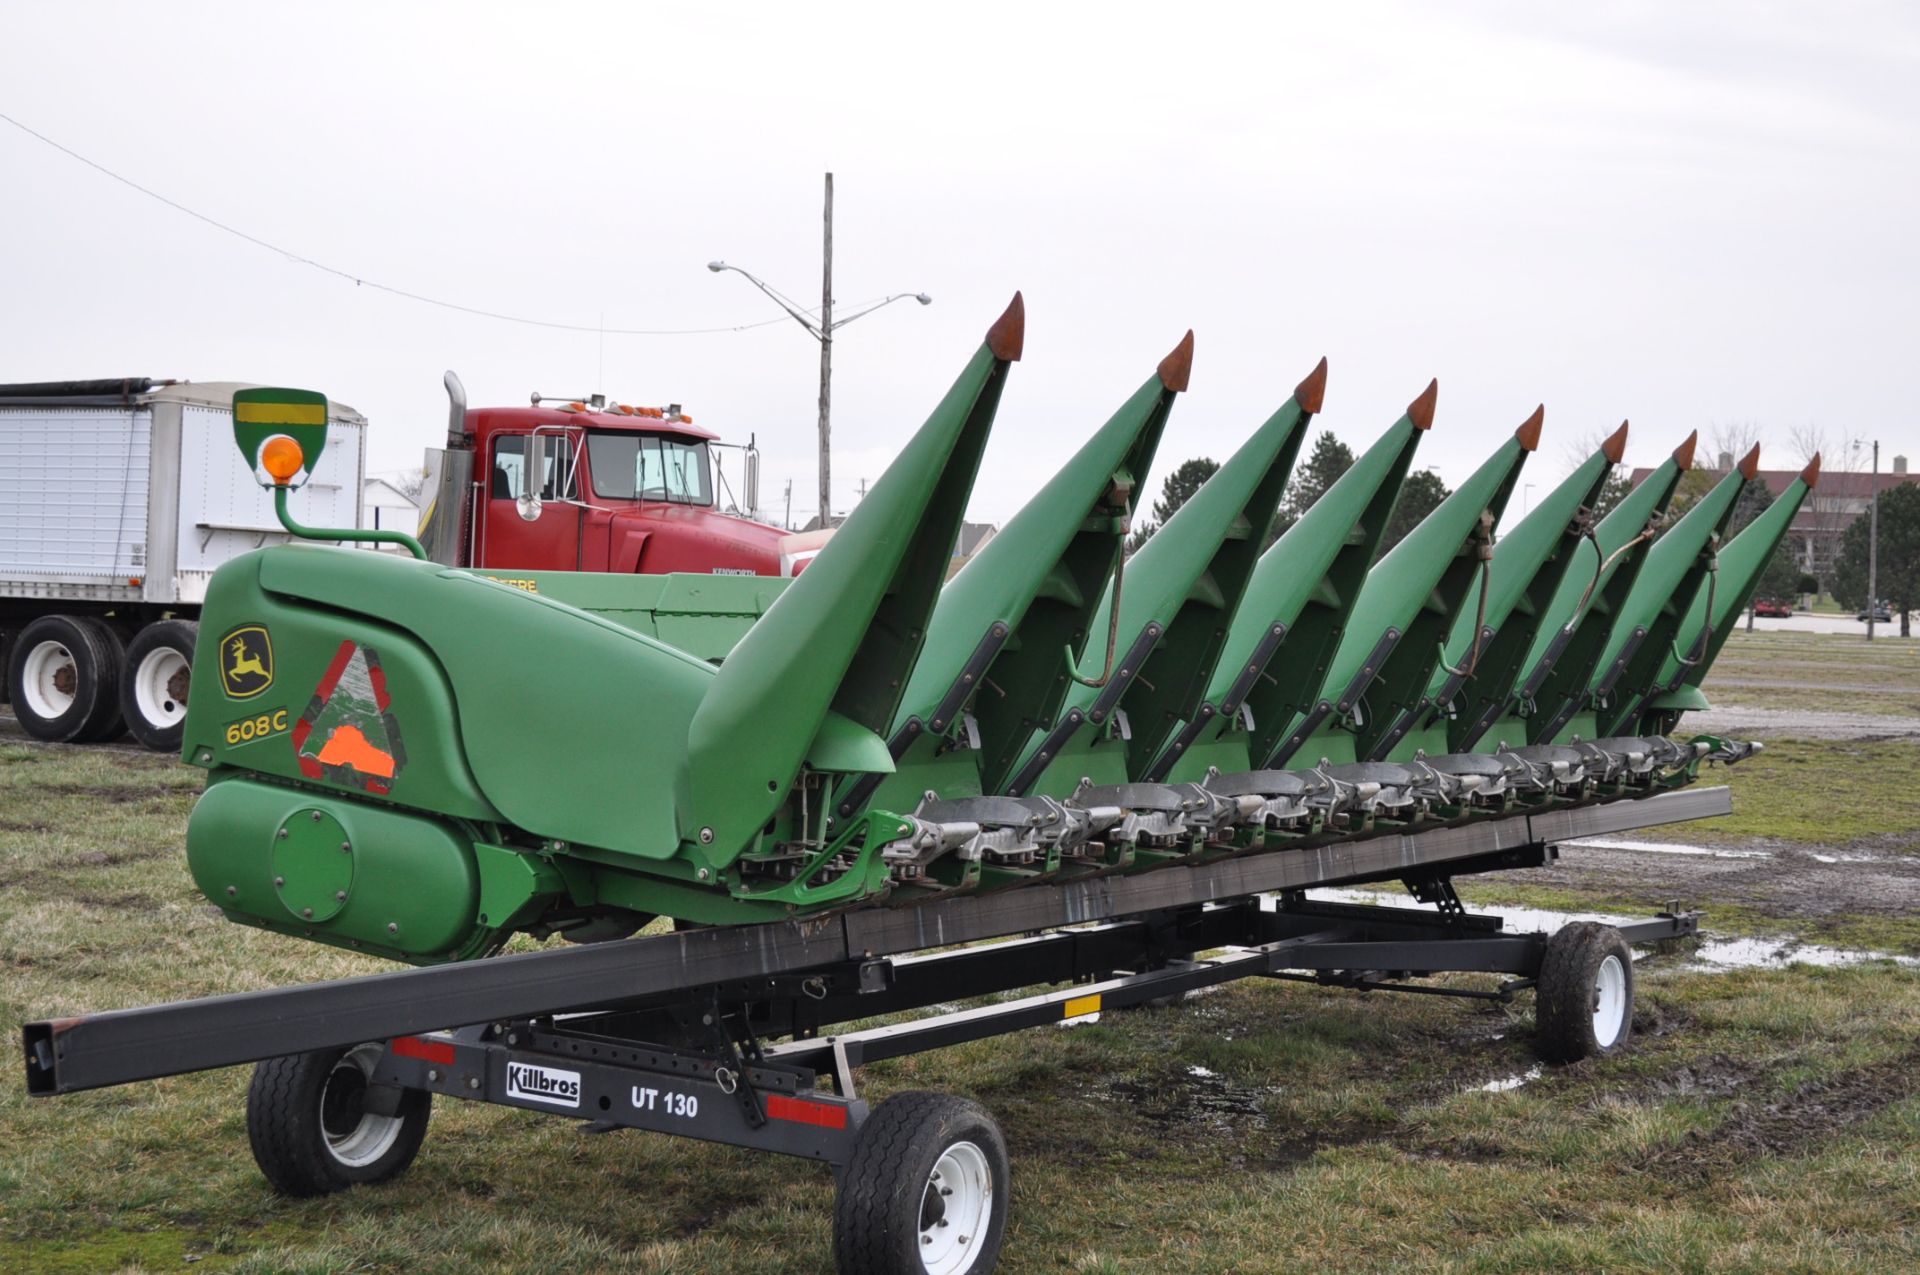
(844, 635)
(334, 697)
(574, 727)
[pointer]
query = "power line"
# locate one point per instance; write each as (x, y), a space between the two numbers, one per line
(357, 280)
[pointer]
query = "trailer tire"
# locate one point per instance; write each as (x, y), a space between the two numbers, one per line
(309, 1129)
(63, 676)
(153, 687)
(1583, 1005)
(893, 1215)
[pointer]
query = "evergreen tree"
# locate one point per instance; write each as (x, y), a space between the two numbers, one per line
(1898, 576)
(1329, 459)
(1419, 496)
(1175, 490)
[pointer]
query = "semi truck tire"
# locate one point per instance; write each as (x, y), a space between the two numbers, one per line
(314, 1129)
(63, 676)
(153, 687)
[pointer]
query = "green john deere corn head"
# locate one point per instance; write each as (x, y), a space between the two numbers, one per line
(420, 761)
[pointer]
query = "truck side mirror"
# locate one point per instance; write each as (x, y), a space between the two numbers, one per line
(533, 477)
(752, 483)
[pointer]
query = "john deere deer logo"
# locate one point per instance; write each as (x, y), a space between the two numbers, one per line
(246, 661)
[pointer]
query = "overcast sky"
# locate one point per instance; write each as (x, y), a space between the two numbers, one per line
(1681, 214)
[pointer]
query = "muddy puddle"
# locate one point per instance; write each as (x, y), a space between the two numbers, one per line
(1667, 847)
(1716, 953)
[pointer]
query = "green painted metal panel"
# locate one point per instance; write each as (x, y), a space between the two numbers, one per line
(845, 634)
(1529, 565)
(1026, 596)
(703, 615)
(534, 680)
(1649, 625)
(1405, 609)
(1175, 602)
(1573, 634)
(1740, 563)
(1304, 586)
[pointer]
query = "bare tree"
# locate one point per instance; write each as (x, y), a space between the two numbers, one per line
(1731, 440)
(1575, 453)
(410, 483)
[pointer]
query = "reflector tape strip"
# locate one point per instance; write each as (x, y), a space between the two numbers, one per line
(280, 413)
(433, 1051)
(1081, 1005)
(826, 1115)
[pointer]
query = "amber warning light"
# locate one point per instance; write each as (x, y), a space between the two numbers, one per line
(280, 457)
(281, 432)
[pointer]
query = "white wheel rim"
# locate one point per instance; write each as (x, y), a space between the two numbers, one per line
(355, 1142)
(49, 664)
(153, 687)
(1609, 1001)
(955, 1210)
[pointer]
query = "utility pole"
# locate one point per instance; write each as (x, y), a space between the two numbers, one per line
(826, 361)
(1873, 543)
(821, 329)
(787, 519)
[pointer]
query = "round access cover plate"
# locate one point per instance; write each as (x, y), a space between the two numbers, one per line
(312, 865)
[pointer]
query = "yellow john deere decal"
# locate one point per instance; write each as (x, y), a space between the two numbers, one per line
(246, 661)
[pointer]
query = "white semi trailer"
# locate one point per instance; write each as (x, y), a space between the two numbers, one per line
(118, 499)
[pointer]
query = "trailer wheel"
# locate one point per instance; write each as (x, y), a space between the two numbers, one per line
(926, 1191)
(153, 690)
(64, 679)
(1584, 1003)
(311, 1131)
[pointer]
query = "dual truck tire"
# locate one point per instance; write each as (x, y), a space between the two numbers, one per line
(72, 680)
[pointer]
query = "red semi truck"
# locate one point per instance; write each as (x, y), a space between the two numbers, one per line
(619, 488)
(119, 499)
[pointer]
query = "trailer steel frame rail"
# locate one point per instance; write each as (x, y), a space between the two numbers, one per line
(121, 1046)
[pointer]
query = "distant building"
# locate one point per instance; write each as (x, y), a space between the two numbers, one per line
(386, 507)
(1833, 506)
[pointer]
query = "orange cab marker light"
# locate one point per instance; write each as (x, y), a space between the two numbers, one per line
(280, 456)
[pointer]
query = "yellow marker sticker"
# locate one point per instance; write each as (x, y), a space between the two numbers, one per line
(280, 413)
(1081, 1005)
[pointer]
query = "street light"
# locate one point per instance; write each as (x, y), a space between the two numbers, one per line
(1873, 539)
(822, 329)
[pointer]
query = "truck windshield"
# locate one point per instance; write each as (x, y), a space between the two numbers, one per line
(650, 467)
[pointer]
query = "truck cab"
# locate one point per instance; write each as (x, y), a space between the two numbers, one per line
(600, 486)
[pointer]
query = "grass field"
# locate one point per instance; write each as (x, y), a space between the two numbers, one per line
(1764, 1120)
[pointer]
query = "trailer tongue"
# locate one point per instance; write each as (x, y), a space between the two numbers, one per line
(1117, 758)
